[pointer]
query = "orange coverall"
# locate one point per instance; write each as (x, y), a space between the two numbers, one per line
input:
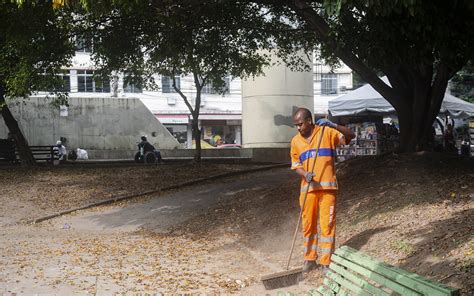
(319, 213)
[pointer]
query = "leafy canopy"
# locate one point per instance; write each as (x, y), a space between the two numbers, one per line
(35, 43)
(209, 40)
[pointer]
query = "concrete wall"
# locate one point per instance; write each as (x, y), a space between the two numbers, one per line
(272, 155)
(268, 104)
(106, 127)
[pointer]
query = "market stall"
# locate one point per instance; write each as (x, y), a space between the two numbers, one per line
(375, 121)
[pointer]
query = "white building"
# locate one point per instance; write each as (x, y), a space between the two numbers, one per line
(220, 114)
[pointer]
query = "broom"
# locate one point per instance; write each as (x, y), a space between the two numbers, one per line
(290, 277)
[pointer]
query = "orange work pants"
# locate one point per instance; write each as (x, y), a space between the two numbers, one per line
(319, 225)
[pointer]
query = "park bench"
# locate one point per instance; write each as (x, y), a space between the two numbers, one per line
(44, 153)
(355, 273)
(7, 151)
(40, 153)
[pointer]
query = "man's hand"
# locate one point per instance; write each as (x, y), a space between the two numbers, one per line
(326, 122)
(309, 176)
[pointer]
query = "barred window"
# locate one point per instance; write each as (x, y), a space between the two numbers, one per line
(167, 84)
(328, 84)
(208, 88)
(87, 83)
(131, 86)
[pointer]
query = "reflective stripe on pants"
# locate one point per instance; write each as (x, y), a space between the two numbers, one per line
(319, 225)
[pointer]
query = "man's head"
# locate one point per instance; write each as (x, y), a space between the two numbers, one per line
(143, 138)
(303, 120)
(59, 143)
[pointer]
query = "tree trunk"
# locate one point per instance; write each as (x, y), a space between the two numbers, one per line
(416, 117)
(412, 133)
(194, 112)
(197, 138)
(21, 143)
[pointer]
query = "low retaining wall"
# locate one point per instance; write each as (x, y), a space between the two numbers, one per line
(270, 155)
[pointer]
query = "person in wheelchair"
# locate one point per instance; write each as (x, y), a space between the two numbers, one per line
(143, 155)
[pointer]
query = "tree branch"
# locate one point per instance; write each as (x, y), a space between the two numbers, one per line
(322, 31)
(181, 94)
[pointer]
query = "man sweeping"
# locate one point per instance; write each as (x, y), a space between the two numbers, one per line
(318, 183)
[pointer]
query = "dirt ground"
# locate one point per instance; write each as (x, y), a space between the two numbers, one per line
(28, 194)
(412, 211)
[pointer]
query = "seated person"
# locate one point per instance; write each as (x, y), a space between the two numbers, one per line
(147, 147)
(60, 151)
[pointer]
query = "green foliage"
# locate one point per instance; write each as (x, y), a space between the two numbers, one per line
(389, 34)
(418, 44)
(171, 38)
(35, 42)
(462, 84)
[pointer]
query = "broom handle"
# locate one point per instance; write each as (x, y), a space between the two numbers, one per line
(304, 201)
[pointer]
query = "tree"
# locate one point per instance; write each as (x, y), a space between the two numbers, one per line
(174, 39)
(34, 45)
(462, 84)
(418, 44)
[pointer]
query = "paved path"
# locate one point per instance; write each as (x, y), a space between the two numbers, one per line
(159, 214)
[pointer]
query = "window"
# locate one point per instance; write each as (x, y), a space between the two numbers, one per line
(87, 83)
(317, 70)
(82, 45)
(167, 84)
(131, 86)
(61, 84)
(208, 89)
(328, 84)
(66, 81)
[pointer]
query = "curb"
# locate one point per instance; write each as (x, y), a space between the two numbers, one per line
(130, 196)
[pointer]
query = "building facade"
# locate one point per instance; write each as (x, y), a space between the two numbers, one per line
(221, 115)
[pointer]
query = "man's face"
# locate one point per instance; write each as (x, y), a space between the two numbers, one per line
(304, 126)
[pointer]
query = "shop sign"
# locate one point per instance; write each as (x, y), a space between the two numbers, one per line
(173, 120)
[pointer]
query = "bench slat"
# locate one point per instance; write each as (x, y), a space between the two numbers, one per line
(346, 284)
(335, 287)
(408, 279)
(325, 292)
(357, 280)
(376, 277)
(314, 292)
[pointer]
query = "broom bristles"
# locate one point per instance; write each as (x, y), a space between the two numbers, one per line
(282, 279)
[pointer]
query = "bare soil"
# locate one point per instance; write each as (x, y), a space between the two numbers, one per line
(412, 211)
(28, 194)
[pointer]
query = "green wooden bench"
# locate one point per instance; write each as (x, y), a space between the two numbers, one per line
(355, 273)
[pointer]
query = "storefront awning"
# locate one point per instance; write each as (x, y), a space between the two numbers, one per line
(173, 119)
(231, 119)
(220, 116)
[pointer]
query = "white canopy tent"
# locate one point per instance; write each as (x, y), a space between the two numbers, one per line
(367, 101)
